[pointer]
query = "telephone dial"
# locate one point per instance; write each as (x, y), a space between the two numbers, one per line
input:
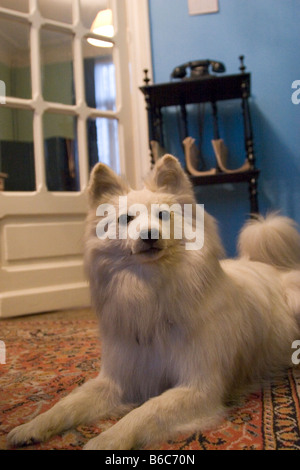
(198, 69)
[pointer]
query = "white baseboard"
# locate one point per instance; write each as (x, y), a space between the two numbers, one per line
(29, 301)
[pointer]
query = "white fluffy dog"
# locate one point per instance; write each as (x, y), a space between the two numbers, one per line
(183, 333)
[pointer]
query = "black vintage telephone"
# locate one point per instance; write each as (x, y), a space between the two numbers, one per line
(199, 69)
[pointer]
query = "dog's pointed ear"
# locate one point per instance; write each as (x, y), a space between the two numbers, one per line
(169, 176)
(104, 181)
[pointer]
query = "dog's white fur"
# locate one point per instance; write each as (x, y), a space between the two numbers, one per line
(183, 333)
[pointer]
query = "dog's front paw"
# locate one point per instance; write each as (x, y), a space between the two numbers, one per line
(109, 440)
(37, 430)
(24, 435)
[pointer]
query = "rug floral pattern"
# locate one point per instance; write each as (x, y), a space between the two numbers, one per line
(46, 359)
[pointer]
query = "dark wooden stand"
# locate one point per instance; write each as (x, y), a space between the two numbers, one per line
(209, 89)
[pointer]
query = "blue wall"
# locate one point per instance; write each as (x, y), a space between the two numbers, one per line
(267, 32)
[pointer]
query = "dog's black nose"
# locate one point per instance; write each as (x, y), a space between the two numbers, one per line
(149, 241)
(150, 236)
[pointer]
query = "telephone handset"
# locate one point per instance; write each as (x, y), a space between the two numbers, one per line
(198, 69)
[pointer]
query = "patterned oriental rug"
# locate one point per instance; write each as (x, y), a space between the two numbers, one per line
(46, 359)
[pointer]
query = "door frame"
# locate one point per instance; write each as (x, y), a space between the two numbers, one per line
(140, 56)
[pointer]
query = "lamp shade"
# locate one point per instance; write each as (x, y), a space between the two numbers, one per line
(102, 25)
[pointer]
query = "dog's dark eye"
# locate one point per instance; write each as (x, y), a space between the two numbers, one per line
(164, 215)
(124, 219)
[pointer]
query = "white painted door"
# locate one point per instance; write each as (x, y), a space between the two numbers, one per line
(69, 103)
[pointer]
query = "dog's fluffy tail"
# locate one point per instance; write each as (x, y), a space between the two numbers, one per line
(273, 240)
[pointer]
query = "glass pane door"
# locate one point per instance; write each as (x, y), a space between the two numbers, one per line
(61, 113)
